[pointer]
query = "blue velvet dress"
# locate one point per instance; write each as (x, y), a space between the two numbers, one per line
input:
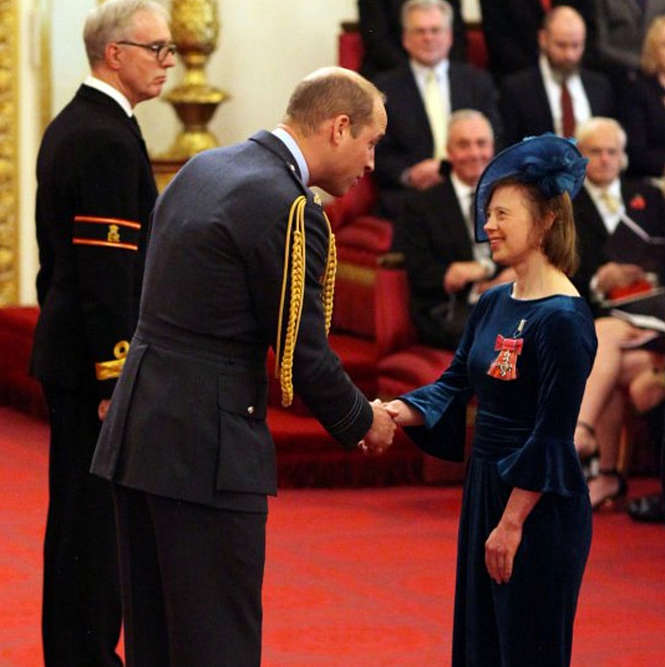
(527, 361)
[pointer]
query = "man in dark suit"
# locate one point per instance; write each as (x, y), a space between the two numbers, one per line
(604, 201)
(511, 30)
(241, 257)
(380, 24)
(556, 94)
(95, 193)
(420, 97)
(447, 269)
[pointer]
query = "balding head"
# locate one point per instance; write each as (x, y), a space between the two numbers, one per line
(329, 92)
(562, 39)
(337, 117)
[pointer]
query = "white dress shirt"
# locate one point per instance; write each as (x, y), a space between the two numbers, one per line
(610, 218)
(581, 106)
(112, 92)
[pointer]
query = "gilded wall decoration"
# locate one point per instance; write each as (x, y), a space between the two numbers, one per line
(8, 152)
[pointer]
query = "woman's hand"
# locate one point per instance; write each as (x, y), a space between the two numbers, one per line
(500, 549)
(403, 414)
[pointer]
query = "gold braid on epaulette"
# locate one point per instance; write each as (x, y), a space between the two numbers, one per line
(295, 253)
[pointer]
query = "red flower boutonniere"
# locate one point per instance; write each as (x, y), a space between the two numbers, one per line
(637, 203)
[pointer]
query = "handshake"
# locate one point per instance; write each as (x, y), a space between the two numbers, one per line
(387, 416)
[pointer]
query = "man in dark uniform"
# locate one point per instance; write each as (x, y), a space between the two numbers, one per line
(95, 194)
(241, 258)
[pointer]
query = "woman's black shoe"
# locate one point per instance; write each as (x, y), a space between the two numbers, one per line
(647, 508)
(611, 499)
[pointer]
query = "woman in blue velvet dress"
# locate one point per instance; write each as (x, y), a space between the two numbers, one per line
(525, 528)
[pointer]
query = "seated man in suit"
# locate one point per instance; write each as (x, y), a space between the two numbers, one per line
(379, 22)
(420, 97)
(556, 94)
(605, 201)
(447, 269)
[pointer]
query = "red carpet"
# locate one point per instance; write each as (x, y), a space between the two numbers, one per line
(355, 577)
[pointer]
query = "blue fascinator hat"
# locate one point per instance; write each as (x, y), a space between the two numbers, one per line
(552, 163)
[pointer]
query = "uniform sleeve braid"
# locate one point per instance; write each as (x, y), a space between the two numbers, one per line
(295, 259)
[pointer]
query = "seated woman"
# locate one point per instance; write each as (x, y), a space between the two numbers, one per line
(643, 111)
(618, 374)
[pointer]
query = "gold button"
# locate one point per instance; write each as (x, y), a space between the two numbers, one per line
(250, 410)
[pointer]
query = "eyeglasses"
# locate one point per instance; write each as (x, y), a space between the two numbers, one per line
(162, 51)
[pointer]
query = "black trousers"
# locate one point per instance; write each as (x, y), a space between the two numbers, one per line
(191, 582)
(81, 608)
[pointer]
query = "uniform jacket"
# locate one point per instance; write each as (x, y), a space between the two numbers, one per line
(434, 235)
(94, 197)
(526, 109)
(644, 205)
(408, 138)
(187, 419)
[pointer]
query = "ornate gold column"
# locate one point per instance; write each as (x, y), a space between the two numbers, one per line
(195, 30)
(9, 216)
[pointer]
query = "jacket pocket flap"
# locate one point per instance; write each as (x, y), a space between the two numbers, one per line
(243, 394)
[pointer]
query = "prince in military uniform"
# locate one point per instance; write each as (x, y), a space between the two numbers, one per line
(241, 258)
(95, 194)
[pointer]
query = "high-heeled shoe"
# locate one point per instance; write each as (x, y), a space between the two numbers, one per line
(590, 460)
(611, 499)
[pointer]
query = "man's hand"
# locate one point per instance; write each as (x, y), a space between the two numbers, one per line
(612, 275)
(425, 174)
(460, 274)
(403, 414)
(381, 433)
(103, 408)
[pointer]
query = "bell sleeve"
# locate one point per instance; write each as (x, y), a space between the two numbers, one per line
(443, 402)
(548, 462)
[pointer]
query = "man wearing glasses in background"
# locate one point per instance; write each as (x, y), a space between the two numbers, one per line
(95, 193)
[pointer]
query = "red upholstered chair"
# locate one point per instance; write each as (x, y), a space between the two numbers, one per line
(404, 363)
(476, 46)
(350, 49)
(17, 388)
(361, 239)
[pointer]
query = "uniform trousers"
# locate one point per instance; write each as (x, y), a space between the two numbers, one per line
(191, 579)
(81, 608)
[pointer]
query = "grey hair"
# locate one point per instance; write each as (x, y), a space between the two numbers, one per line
(588, 127)
(443, 6)
(109, 22)
(468, 114)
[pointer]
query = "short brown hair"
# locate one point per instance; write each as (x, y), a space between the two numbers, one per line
(560, 240)
(329, 92)
(649, 58)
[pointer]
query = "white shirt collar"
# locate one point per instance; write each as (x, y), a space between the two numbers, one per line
(610, 218)
(420, 71)
(288, 140)
(107, 89)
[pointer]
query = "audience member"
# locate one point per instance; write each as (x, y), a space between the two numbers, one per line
(511, 31)
(420, 97)
(620, 29)
(556, 94)
(94, 197)
(381, 30)
(447, 269)
(643, 111)
(604, 202)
